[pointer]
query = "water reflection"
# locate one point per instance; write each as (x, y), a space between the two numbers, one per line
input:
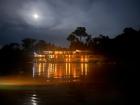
(34, 100)
(73, 71)
(30, 99)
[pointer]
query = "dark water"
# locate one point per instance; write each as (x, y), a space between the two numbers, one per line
(67, 84)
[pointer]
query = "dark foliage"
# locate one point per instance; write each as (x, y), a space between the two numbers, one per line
(124, 47)
(19, 54)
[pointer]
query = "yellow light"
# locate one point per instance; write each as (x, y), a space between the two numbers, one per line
(82, 69)
(39, 68)
(82, 59)
(86, 68)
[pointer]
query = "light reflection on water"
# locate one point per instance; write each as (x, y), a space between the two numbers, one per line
(78, 93)
(72, 71)
(31, 99)
(34, 100)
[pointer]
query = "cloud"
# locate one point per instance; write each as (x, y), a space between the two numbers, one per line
(60, 17)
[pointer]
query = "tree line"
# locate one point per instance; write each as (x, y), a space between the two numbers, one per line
(21, 52)
(124, 45)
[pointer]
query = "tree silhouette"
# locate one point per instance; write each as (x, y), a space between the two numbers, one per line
(75, 38)
(72, 38)
(88, 39)
(80, 32)
(41, 45)
(28, 44)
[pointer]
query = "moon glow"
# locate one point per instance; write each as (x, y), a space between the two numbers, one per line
(35, 16)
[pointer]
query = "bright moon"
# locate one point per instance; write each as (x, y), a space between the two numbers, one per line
(35, 16)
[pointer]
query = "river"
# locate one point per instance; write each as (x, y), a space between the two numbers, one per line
(63, 84)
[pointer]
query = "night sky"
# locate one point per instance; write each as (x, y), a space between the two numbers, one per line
(57, 18)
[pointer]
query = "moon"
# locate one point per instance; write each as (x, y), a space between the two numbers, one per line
(35, 16)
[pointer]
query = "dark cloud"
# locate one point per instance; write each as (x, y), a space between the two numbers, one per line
(59, 17)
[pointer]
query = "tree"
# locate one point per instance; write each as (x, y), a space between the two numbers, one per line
(41, 45)
(72, 38)
(28, 44)
(75, 38)
(88, 39)
(80, 32)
